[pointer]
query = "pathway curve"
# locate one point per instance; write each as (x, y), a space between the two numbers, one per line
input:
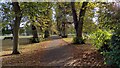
(55, 53)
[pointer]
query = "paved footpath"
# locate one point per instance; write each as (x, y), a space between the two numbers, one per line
(55, 53)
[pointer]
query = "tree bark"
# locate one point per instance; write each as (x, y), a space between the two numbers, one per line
(46, 33)
(35, 34)
(78, 23)
(64, 33)
(63, 29)
(17, 20)
(75, 20)
(81, 19)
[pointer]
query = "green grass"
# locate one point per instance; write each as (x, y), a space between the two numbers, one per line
(68, 39)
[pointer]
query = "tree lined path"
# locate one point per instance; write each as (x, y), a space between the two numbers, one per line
(95, 22)
(55, 52)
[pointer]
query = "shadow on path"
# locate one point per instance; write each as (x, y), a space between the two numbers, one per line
(57, 56)
(57, 53)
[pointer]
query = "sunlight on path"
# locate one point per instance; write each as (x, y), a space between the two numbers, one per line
(57, 52)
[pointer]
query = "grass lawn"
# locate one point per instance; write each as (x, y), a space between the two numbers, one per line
(69, 40)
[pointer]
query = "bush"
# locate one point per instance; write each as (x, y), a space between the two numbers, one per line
(46, 34)
(113, 57)
(64, 36)
(108, 45)
(105, 46)
(86, 36)
(35, 40)
(77, 40)
(101, 39)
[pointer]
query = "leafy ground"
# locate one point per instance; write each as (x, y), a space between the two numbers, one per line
(58, 52)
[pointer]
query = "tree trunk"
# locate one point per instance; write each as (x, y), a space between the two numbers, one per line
(46, 33)
(18, 16)
(35, 34)
(75, 20)
(78, 23)
(59, 28)
(64, 35)
(63, 26)
(81, 19)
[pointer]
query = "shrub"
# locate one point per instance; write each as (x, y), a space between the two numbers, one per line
(113, 57)
(86, 36)
(77, 40)
(46, 34)
(34, 40)
(108, 45)
(64, 36)
(105, 46)
(101, 39)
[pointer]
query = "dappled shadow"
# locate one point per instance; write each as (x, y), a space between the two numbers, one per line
(57, 56)
(6, 55)
(57, 53)
(10, 49)
(70, 55)
(86, 55)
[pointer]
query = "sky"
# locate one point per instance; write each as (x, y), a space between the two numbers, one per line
(53, 15)
(95, 18)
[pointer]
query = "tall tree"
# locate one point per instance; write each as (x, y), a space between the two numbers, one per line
(62, 10)
(7, 17)
(35, 38)
(38, 16)
(17, 20)
(48, 14)
(78, 22)
(31, 10)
